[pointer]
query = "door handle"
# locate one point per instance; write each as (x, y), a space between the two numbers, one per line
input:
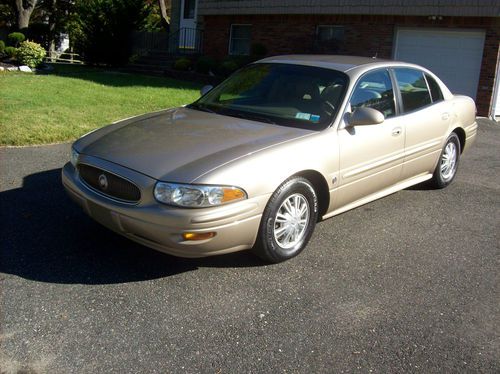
(396, 131)
(445, 116)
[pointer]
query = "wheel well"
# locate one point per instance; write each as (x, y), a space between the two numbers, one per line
(461, 136)
(320, 186)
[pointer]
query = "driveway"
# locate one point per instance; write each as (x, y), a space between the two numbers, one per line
(407, 283)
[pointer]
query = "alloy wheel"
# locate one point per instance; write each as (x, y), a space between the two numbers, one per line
(449, 161)
(291, 221)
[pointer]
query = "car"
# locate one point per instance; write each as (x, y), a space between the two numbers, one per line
(258, 160)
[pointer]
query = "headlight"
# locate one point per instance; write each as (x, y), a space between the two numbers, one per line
(74, 157)
(197, 196)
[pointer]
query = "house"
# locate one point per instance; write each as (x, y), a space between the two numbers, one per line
(457, 39)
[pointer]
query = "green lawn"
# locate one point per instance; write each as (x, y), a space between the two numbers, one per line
(72, 100)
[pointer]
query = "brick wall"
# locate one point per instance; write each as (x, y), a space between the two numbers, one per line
(484, 98)
(364, 36)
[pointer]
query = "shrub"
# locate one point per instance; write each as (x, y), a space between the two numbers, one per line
(11, 51)
(258, 50)
(228, 67)
(241, 60)
(134, 58)
(2, 46)
(39, 32)
(205, 64)
(182, 64)
(16, 38)
(31, 54)
(232, 63)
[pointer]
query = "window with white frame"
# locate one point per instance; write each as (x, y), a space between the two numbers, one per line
(239, 43)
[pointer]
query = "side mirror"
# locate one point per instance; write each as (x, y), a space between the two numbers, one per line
(205, 89)
(365, 116)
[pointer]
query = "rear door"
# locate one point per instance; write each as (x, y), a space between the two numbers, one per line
(370, 156)
(425, 117)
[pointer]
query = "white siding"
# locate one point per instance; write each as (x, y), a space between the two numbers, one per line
(465, 8)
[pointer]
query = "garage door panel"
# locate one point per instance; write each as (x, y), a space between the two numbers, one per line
(454, 55)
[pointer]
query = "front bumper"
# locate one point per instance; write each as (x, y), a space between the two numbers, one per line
(161, 227)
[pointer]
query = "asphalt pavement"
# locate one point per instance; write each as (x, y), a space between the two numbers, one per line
(408, 283)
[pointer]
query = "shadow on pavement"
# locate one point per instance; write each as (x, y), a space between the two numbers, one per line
(424, 186)
(47, 238)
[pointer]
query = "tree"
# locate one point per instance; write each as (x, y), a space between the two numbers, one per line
(58, 14)
(164, 9)
(158, 18)
(24, 9)
(101, 29)
(7, 15)
(52, 25)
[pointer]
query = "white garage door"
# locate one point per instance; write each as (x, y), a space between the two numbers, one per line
(453, 55)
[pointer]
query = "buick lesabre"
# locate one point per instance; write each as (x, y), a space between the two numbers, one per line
(258, 160)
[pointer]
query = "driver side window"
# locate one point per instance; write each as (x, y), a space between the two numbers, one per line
(374, 90)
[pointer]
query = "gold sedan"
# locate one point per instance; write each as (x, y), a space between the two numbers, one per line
(258, 160)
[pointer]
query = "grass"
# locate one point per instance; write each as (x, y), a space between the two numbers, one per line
(72, 100)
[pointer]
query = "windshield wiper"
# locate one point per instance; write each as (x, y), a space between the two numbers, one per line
(250, 116)
(262, 119)
(232, 112)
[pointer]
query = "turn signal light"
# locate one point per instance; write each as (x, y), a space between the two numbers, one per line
(198, 235)
(232, 194)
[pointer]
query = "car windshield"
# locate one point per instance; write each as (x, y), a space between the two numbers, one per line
(282, 94)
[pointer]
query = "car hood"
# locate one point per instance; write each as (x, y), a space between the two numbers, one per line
(182, 144)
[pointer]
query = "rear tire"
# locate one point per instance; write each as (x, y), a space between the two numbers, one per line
(288, 221)
(447, 166)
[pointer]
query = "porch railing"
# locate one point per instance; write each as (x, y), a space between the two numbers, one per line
(145, 41)
(64, 57)
(186, 41)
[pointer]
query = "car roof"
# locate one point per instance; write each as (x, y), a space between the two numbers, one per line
(336, 62)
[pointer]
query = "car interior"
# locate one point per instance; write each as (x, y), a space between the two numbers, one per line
(374, 90)
(304, 98)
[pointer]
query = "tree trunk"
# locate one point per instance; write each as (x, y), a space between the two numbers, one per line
(52, 29)
(24, 12)
(23, 20)
(165, 19)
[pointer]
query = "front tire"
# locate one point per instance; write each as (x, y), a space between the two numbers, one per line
(447, 166)
(288, 221)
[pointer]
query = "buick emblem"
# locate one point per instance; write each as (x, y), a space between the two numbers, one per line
(103, 182)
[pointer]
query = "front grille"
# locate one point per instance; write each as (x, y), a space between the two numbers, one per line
(109, 184)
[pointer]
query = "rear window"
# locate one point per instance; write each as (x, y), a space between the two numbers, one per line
(436, 93)
(413, 88)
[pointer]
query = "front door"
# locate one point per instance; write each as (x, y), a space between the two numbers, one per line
(187, 32)
(370, 156)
